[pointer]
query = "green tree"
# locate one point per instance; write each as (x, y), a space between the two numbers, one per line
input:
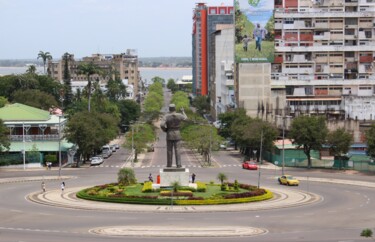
(175, 186)
(44, 56)
(116, 90)
(309, 132)
(129, 111)
(68, 93)
(126, 177)
(157, 79)
(4, 137)
(90, 131)
(370, 138)
(88, 69)
(31, 70)
(3, 101)
(171, 84)
(203, 138)
(202, 104)
(222, 177)
(141, 135)
(34, 98)
(339, 142)
(226, 120)
(181, 100)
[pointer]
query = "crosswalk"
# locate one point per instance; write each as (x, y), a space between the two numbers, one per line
(160, 166)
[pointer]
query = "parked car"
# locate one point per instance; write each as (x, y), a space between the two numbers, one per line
(96, 160)
(106, 149)
(117, 146)
(288, 180)
(113, 148)
(250, 165)
(105, 154)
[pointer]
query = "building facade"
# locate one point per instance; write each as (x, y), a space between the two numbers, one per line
(324, 57)
(205, 21)
(125, 65)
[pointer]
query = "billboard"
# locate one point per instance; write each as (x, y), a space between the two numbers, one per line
(254, 35)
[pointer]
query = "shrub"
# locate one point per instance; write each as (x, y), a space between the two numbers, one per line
(201, 187)
(236, 186)
(223, 187)
(147, 187)
(176, 194)
(255, 193)
(126, 176)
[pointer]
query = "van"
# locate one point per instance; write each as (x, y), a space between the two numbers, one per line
(106, 149)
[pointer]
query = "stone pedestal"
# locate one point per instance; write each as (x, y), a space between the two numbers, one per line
(169, 175)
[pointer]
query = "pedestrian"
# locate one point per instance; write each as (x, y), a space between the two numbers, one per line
(193, 178)
(43, 187)
(62, 187)
(150, 178)
(245, 42)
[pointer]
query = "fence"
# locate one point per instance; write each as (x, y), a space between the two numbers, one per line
(17, 159)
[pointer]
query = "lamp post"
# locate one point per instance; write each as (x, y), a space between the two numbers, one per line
(23, 151)
(283, 161)
(260, 157)
(59, 145)
(132, 151)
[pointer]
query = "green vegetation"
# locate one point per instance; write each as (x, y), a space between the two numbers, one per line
(126, 177)
(367, 233)
(309, 132)
(44, 56)
(139, 138)
(143, 194)
(4, 138)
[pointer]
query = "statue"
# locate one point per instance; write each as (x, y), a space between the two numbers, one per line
(171, 125)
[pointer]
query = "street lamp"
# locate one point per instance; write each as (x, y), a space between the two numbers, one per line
(283, 153)
(132, 152)
(260, 156)
(24, 141)
(59, 145)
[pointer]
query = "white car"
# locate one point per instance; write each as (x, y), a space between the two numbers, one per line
(96, 160)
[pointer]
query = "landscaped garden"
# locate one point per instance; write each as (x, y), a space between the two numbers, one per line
(127, 190)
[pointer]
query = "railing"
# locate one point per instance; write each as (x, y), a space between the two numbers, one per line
(46, 137)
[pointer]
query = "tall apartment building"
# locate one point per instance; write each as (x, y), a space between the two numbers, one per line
(205, 21)
(124, 64)
(324, 58)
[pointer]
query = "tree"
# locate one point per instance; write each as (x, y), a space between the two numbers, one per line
(309, 132)
(3, 101)
(31, 70)
(222, 177)
(44, 56)
(226, 120)
(157, 79)
(129, 111)
(370, 138)
(116, 90)
(141, 135)
(181, 100)
(34, 98)
(175, 186)
(172, 85)
(202, 104)
(203, 138)
(4, 137)
(68, 93)
(126, 177)
(339, 142)
(90, 131)
(88, 69)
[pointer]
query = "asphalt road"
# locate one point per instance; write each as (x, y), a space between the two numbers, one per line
(342, 214)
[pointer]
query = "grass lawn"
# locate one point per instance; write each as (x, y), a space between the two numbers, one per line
(268, 50)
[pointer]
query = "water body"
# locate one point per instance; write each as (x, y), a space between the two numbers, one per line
(146, 73)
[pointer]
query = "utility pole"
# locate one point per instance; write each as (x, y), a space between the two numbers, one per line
(260, 156)
(283, 163)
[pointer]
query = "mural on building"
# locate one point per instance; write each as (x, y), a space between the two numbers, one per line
(254, 33)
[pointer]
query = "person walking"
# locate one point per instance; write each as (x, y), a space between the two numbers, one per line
(62, 187)
(245, 42)
(43, 187)
(259, 34)
(193, 178)
(150, 178)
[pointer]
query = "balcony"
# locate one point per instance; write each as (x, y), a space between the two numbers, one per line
(46, 137)
(278, 59)
(325, 36)
(364, 59)
(229, 82)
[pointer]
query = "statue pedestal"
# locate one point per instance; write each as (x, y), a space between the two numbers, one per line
(169, 175)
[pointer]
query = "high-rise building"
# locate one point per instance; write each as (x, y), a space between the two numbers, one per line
(125, 65)
(325, 57)
(205, 21)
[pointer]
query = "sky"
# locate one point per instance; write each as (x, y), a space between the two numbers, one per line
(160, 28)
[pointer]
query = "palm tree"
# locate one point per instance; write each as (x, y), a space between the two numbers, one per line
(88, 69)
(45, 56)
(31, 69)
(222, 177)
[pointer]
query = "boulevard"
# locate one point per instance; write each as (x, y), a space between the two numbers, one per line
(342, 208)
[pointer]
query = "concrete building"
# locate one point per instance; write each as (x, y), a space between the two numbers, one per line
(205, 20)
(125, 65)
(324, 58)
(222, 85)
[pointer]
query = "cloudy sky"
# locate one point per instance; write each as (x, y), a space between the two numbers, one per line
(155, 28)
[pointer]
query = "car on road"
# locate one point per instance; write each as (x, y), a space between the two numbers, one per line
(250, 165)
(117, 146)
(288, 180)
(96, 160)
(113, 148)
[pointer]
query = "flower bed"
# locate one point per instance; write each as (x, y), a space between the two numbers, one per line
(206, 194)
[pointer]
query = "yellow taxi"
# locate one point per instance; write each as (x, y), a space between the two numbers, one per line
(288, 180)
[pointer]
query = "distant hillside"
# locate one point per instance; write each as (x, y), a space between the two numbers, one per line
(143, 62)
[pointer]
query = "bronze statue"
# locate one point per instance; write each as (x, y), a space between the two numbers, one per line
(171, 125)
